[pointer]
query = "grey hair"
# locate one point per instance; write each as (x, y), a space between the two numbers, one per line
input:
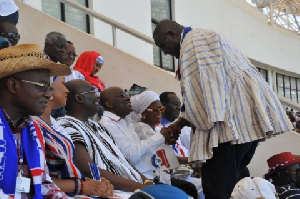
(51, 37)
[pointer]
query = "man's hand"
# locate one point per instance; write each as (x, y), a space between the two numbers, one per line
(182, 122)
(170, 137)
(101, 188)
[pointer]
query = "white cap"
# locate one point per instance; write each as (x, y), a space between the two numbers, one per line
(253, 188)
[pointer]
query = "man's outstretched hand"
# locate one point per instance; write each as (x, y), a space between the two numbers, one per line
(170, 137)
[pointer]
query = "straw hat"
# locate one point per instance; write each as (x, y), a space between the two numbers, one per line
(24, 57)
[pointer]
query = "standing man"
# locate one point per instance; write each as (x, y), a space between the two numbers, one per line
(225, 99)
(25, 90)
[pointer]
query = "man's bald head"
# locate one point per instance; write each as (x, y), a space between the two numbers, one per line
(114, 100)
(75, 86)
(161, 30)
(109, 94)
(82, 100)
(167, 36)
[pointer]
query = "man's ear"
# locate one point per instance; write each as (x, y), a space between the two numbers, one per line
(108, 104)
(78, 98)
(12, 85)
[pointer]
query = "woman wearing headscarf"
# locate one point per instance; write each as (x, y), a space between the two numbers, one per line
(147, 112)
(86, 67)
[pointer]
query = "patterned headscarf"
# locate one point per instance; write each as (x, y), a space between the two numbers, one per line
(84, 65)
(140, 102)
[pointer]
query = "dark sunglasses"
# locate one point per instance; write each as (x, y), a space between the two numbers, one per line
(12, 35)
(125, 94)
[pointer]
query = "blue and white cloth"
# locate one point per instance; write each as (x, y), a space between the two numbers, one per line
(224, 95)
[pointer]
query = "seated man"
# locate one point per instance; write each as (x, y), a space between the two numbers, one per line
(138, 152)
(25, 90)
(92, 142)
(172, 110)
(55, 47)
(70, 59)
(284, 174)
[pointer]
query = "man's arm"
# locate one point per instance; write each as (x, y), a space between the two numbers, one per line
(135, 149)
(82, 159)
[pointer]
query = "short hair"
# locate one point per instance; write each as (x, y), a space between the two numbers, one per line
(69, 42)
(164, 97)
(51, 37)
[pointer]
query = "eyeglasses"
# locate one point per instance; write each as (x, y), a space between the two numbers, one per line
(93, 91)
(12, 35)
(156, 110)
(43, 87)
(71, 53)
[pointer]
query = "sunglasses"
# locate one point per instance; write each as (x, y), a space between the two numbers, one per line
(156, 110)
(43, 87)
(125, 94)
(12, 35)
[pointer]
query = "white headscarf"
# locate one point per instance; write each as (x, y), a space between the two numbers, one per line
(140, 102)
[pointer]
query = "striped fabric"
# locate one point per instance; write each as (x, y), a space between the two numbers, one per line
(224, 95)
(60, 153)
(100, 145)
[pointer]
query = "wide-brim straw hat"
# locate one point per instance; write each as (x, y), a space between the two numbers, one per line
(24, 57)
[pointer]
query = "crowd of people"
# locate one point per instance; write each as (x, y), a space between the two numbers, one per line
(294, 118)
(53, 147)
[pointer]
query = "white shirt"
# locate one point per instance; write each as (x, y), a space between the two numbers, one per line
(7, 7)
(78, 75)
(138, 152)
(74, 75)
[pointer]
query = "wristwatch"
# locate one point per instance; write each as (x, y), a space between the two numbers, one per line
(147, 181)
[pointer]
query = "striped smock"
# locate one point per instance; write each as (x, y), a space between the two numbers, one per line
(224, 95)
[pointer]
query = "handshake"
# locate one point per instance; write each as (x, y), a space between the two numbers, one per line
(172, 132)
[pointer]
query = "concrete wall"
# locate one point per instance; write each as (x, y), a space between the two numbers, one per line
(245, 27)
(120, 68)
(288, 142)
(135, 14)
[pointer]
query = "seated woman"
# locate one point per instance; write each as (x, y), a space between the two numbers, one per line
(86, 67)
(60, 152)
(147, 112)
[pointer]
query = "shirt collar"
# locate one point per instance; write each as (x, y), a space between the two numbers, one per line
(112, 116)
(164, 121)
(16, 128)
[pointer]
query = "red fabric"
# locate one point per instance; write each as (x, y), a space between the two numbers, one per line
(84, 65)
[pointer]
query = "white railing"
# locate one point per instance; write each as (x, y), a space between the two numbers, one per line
(114, 24)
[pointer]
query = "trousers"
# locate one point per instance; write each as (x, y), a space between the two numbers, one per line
(220, 173)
